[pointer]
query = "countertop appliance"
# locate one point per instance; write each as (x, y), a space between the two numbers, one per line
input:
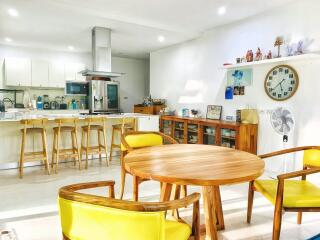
(77, 88)
(103, 96)
(46, 103)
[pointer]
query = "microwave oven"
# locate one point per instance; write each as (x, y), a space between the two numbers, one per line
(77, 88)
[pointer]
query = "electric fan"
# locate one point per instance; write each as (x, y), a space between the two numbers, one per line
(282, 122)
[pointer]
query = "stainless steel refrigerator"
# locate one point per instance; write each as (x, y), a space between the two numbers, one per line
(104, 96)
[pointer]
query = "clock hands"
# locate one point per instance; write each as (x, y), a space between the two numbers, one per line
(279, 84)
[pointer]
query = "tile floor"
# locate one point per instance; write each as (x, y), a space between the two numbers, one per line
(29, 205)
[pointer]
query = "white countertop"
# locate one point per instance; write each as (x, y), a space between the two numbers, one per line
(17, 116)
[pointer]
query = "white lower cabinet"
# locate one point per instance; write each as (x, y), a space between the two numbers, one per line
(148, 123)
(18, 72)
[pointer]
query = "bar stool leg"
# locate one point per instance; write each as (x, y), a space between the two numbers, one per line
(105, 146)
(44, 149)
(23, 142)
(53, 150)
(57, 151)
(99, 145)
(73, 149)
(111, 146)
(77, 147)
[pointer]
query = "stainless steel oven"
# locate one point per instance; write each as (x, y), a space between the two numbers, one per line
(77, 88)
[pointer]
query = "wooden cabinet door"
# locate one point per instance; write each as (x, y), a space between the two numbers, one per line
(39, 73)
(18, 72)
(56, 75)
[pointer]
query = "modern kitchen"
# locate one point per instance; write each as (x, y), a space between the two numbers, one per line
(159, 120)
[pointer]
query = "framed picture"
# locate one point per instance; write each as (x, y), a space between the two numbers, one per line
(214, 112)
(239, 77)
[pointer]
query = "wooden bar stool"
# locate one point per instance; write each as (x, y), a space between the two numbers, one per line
(94, 124)
(63, 153)
(127, 124)
(31, 156)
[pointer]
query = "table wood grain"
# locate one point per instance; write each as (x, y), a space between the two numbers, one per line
(193, 164)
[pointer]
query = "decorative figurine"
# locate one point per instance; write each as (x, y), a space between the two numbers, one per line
(269, 55)
(249, 56)
(300, 47)
(289, 50)
(278, 43)
(258, 56)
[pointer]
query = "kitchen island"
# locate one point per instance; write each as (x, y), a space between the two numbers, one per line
(10, 134)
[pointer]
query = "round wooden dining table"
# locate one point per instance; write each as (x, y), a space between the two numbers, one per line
(192, 164)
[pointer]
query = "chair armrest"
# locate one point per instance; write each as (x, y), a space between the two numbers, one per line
(289, 150)
(168, 138)
(68, 190)
(298, 173)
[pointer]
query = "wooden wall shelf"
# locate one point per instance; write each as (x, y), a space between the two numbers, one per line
(212, 132)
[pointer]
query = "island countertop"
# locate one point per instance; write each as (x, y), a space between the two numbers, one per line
(10, 133)
(17, 116)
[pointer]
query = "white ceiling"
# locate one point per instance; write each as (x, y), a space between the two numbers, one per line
(136, 24)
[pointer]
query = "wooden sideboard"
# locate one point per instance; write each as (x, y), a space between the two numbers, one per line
(153, 109)
(212, 132)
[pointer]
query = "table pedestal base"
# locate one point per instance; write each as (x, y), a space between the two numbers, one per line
(212, 209)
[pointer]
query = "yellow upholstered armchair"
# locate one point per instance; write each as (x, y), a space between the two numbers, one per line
(135, 140)
(87, 217)
(288, 194)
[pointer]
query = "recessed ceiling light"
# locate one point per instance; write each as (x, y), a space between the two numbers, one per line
(8, 39)
(13, 12)
(222, 10)
(71, 48)
(161, 38)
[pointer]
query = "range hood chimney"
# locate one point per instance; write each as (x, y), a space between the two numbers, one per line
(101, 55)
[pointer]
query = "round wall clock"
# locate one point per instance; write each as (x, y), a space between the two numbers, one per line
(281, 82)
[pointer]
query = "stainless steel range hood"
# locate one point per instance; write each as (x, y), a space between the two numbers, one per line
(101, 55)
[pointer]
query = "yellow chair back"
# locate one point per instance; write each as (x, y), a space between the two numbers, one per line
(142, 140)
(83, 221)
(311, 158)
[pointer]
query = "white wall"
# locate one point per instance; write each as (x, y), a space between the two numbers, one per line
(188, 74)
(133, 85)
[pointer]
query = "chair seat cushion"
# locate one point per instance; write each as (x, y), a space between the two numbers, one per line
(177, 231)
(143, 140)
(297, 193)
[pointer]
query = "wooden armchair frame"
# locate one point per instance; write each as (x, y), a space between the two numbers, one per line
(136, 180)
(69, 193)
(307, 170)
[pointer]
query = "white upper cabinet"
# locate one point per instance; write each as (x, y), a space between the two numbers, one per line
(56, 75)
(39, 73)
(18, 72)
(72, 71)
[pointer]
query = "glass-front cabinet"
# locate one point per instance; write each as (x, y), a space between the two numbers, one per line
(211, 132)
(193, 133)
(209, 135)
(166, 127)
(179, 131)
(228, 138)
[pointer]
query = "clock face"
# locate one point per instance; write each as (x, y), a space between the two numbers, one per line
(281, 82)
